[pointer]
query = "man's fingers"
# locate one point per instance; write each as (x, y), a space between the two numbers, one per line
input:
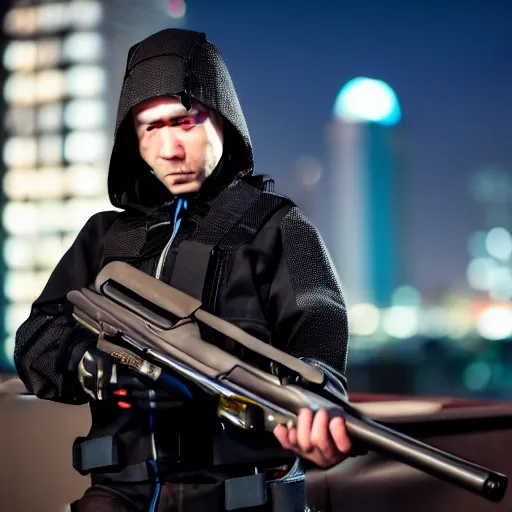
(304, 424)
(281, 432)
(320, 437)
(287, 437)
(292, 437)
(339, 435)
(322, 440)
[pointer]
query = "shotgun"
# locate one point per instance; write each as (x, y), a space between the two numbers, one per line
(154, 329)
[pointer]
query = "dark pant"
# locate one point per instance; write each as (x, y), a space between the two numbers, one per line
(173, 497)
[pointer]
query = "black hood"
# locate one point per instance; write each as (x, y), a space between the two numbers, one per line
(178, 63)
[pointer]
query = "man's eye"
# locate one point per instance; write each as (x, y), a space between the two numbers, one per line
(186, 121)
(154, 125)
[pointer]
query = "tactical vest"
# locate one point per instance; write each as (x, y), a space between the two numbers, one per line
(235, 217)
(202, 261)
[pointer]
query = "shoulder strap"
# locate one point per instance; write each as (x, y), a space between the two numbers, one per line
(235, 217)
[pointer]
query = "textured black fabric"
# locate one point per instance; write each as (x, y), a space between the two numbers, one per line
(317, 291)
(253, 220)
(43, 355)
(45, 341)
(125, 239)
(225, 212)
(43, 366)
(175, 62)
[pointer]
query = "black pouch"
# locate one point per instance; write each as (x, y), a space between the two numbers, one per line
(245, 491)
(96, 454)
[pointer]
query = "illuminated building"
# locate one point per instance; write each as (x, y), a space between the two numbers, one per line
(55, 146)
(63, 63)
(364, 192)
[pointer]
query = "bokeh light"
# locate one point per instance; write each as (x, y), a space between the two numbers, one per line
(177, 8)
(406, 296)
(367, 100)
(480, 273)
(495, 323)
(364, 319)
(400, 321)
(309, 171)
(499, 243)
(477, 375)
(83, 47)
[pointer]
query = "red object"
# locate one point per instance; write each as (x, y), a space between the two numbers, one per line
(122, 392)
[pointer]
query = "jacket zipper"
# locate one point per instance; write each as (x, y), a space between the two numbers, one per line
(158, 275)
(163, 255)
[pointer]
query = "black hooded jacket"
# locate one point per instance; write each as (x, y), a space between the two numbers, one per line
(278, 284)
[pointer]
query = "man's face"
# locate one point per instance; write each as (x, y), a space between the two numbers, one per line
(182, 147)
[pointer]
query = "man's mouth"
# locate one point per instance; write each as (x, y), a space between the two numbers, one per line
(181, 176)
(180, 173)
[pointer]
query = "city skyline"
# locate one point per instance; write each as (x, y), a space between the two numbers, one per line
(448, 64)
(452, 87)
(288, 87)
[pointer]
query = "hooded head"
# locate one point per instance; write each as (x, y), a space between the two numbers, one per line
(177, 69)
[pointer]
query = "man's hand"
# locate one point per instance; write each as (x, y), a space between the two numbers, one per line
(324, 442)
(102, 378)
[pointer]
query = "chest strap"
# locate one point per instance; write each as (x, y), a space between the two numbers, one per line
(235, 217)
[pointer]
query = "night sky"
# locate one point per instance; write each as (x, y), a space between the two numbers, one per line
(450, 63)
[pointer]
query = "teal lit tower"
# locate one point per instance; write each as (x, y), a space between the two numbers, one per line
(365, 195)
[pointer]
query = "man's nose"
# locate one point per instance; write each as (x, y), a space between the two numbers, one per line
(172, 146)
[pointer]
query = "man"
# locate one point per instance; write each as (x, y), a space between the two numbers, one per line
(195, 217)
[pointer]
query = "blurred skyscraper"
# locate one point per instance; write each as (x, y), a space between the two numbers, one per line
(491, 188)
(490, 248)
(63, 62)
(365, 192)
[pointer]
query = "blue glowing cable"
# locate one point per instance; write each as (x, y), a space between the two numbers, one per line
(153, 463)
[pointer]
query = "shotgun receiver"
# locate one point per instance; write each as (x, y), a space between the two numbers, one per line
(154, 329)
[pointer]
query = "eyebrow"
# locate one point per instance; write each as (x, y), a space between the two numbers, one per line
(162, 112)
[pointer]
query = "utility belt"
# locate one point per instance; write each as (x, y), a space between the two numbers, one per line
(104, 455)
(250, 485)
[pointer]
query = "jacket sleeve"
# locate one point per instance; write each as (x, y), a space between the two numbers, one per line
(305, 306)
(50, 343)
